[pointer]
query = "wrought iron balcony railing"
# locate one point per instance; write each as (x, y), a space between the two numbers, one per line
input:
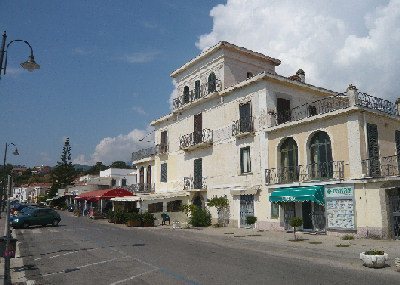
(196, 139)
(161, 148)
(322, 106)
(195, 95)
(143, 153)
(140, 188)
(375, 103)
(243, 126)
(384, 167)
(194, 183)
(333, 170)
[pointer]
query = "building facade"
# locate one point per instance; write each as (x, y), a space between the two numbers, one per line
(277, 147)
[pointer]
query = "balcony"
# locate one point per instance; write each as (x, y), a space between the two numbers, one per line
(194, 95)
(161, 148)
(243, 127)
(143, 153)
(329, 104)
(384, 167)
(303, 173)
(196, 140)
(140, 188)
(189, 183)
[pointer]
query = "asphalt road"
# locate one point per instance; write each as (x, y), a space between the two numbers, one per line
(83, 251)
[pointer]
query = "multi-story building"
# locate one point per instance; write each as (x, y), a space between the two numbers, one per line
(277, 147)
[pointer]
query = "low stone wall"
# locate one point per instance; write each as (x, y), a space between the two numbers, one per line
(269, 226)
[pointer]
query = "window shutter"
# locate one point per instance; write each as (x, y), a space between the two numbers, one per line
(198, 173)
(373, 150)
(397, 139)
(164, 172)
(241, 161)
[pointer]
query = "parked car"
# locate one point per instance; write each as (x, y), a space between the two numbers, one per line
(36, 216)
(71, 207)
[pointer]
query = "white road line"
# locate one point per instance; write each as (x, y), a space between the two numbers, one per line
(133, 277)
(86, 265)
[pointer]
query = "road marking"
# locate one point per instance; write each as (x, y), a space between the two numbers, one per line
(179, 277)
(134, 276)
(83, 266)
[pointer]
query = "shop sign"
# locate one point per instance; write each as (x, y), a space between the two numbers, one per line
(344, 191)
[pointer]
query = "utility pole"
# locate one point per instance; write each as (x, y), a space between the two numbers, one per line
(7, 273)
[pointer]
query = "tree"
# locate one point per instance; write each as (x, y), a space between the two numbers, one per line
(95, 169)
(119, 164)
(220, 203)
(64, 173)
(295, 222)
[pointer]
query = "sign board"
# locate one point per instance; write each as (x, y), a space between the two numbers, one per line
(339, 191)
(340, 210)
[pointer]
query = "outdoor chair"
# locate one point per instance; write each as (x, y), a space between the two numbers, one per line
(165, 217)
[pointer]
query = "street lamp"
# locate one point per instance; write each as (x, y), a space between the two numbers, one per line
(30, 64)
(7, 277)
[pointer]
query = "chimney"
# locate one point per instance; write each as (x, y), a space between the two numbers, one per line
(300, 73)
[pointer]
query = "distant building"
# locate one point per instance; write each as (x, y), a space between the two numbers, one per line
(19, 170)
(41, 170)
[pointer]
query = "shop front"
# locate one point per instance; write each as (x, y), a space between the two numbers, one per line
(305, 202)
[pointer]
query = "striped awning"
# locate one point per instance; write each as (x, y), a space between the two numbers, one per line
(298, 194)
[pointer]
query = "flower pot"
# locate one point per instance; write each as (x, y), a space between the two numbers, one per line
(132, 223)
(374, 261)
(148, 225)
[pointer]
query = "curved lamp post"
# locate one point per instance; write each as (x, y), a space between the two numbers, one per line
(6, 194)
(30, 64)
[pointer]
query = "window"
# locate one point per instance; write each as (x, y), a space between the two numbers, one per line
(197, 89)
(113, 182)
(283, 110)
(155, 207)
(148, 174)
(198, 174)
(212, 82)
(174, 206)
(164, 142)
(289, 161)
(185, 95)
(274, 210)
(245, 165)
(249, 74)
(397, 140)
(123, 182)
(141, 175)
(198, 128)
(321, 156)
(246, 124)
(373, 151)
(164, 172)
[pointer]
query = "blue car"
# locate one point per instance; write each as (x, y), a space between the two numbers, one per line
(36, 216)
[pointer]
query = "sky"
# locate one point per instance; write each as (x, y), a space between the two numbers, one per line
(105, 65)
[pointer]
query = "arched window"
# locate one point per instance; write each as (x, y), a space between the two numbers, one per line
(288, 152)
(185, 95)
(321, 156)
(212, 82)
(141, 175)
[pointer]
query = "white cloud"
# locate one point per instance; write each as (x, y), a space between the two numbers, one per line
(117, 148)
(141, 57)
(335, 42)
(139, 110)
(173, 95)
(45, 157)
(80, 51)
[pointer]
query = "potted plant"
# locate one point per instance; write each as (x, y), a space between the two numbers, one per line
(77, 212)
(251, 220)
(295, 222)
(374, 258)
(221, 204)
(133, 220)
(120, 217)
(148, 219)
(110, 216)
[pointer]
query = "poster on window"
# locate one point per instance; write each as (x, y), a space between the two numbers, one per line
(340, 211)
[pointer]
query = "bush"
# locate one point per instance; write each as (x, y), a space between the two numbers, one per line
(348, 237)
(133, 217)
(295, 222)
(374, 252)
(148, 218)
(200, 218)
(120, 217)
(251, 220)
(110, 216)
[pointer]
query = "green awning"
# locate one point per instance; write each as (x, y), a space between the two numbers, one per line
(310, 193)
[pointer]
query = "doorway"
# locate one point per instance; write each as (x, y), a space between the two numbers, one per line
(307, 215)
(246, 208)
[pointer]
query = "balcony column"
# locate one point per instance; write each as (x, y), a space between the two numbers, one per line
(352, 93)
(354, 143)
